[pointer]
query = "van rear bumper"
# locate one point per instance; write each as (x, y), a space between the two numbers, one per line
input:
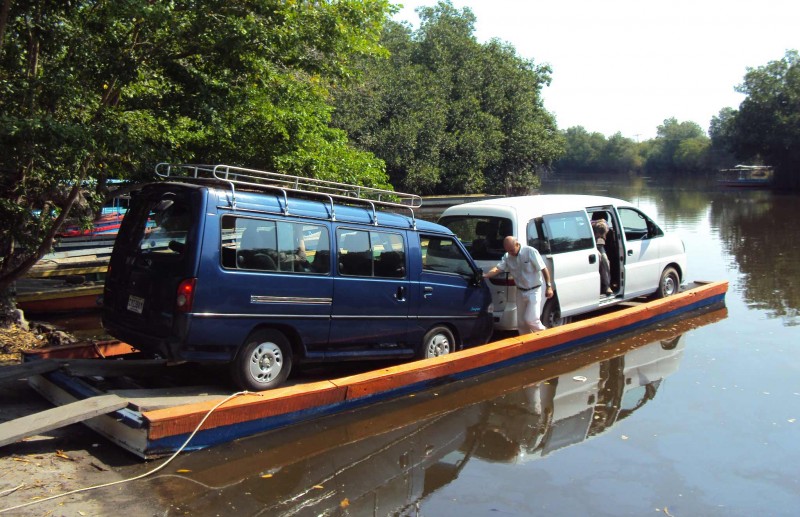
(164, 347)
(506, 319)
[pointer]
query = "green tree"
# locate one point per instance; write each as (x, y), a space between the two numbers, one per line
(621, 155)
(721, 133)
(529, 140)
(92, 90)
(448, 114)
(692, 155)
(675, 148)
(583, 151)
(593, 153)
(767, 124)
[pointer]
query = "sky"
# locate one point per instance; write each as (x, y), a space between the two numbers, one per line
(627, 65)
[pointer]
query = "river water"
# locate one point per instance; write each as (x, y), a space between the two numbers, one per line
(697, 417)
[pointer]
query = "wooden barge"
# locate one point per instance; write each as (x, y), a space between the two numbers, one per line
(150, 426)
(392, 455)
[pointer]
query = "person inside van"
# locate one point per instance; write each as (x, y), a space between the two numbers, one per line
(530, 275)
(600, 227)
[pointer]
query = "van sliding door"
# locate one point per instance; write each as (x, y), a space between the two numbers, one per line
(574, 259)
(370, 294)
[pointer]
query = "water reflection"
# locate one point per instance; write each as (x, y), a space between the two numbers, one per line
(387, 459)
(760, 230)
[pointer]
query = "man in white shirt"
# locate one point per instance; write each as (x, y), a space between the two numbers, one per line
(528, 268)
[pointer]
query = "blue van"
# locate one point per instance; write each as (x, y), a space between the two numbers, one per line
(265, 271)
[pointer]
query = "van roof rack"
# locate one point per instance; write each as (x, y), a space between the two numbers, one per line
(253, 179)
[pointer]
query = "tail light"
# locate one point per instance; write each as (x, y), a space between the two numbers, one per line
(185, 295)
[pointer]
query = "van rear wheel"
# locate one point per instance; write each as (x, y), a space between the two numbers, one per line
(551, 314)
(669, 283)
(437, 341)
(263, 362)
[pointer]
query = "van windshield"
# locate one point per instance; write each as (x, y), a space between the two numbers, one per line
(481, 235)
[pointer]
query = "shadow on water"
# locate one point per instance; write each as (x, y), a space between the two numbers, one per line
(386, 459)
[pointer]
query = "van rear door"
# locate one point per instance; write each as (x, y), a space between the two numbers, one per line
(575, 261)
(155, 251)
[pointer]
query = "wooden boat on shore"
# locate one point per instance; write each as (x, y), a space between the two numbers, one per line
(55, 287)
(156, 422)
(55, 296)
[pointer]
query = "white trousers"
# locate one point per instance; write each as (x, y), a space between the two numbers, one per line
(529, 310)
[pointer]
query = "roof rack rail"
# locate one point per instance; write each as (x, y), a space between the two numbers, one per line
(285, 183)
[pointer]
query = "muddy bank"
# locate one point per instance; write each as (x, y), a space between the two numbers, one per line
(61, 460)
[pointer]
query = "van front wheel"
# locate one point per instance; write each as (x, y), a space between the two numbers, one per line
(263, 362)
(438, 341)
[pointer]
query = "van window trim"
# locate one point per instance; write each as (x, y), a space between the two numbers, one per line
(337, 219)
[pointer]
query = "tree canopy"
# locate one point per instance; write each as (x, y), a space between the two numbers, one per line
(679, 148)
(93, 89)
(448, 114)
(594, 153)
(766, 127)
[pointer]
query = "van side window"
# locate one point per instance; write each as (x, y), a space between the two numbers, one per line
(389, 253)
(363, 253)
(568, 232)
(441, 254)
(262, 245)
(535, 238)
(637, 226)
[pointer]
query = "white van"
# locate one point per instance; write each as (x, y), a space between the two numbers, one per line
(643, 259)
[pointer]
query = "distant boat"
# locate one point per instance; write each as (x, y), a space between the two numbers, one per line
(99, 235)
(106, 224)
(746, 176)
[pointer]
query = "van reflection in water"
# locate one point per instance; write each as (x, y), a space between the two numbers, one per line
(386, 459)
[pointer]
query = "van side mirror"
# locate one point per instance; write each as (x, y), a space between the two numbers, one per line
(477, 278)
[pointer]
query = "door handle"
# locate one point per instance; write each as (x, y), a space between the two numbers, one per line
(428, 292)
(630, 253)
(592, 258)
(400, 295)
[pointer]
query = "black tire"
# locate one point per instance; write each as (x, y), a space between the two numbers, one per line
(551, 314)
(263, 362)
(438, 341)
(670, 344)
(669, 283)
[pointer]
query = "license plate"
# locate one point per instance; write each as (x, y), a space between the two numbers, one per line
(135, 304)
